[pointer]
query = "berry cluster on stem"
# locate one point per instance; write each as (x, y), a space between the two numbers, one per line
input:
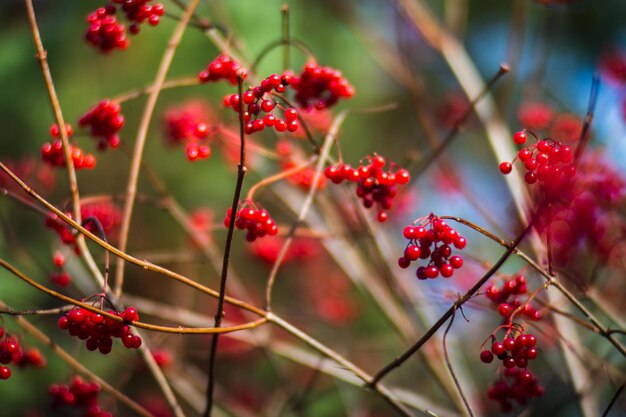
(432, 238)
(52, 152)
(98, 331)
(104, 121)
(106, 33)
(376, 185)
(257, 222)
(320, 87)
(548, 162)
(508, 298)
(11, 351)
(515, 385)
(78, 394)
(222, 68)
(258, 100)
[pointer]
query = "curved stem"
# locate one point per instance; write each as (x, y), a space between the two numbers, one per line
(142, 134)
(144, 264)
(138, 324)
(277, 177)
(457, 384)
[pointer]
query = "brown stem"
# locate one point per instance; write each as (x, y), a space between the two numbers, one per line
(241, 172)
(142, 263)
(277, 177)
(138, 324)
(142, 134)
(58, 115)
(457, 384)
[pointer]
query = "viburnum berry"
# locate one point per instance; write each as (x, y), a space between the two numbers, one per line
(548, 162)
(78, 394)
(259, 106)
(105, 32)
(257, 222)
(193, 125)
(11, 351)
(139, 11)
(376, 185)
(320, 87)
(516, 384)
(104, 121)
(98, 331)
(223, 68)
(61, 278)
(508, 297)
(432, 238)
(53, 153)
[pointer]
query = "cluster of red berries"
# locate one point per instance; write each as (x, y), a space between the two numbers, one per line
(320, 87)
(258, 100)
(513, 352)
(257, 221)
(60, 277)
(105, 32)
(376, 185)
(433, 238)
(79, 394)
(104, 121)
(517, 385)
(103, 209)
(508, 300)
(98, 330)
(12, 352)
(548, 162)
(139, 11)
(222, 68)
(53, 154)
(191, 124)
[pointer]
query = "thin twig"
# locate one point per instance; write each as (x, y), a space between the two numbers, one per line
(142, 134)
(42, 56)
(332, 134)
(457, 384)
(241, 173)
(613, 400)
(138, 324)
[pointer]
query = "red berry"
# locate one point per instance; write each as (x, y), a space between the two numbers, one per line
(519, 137)
(486, 356)
(506, 167)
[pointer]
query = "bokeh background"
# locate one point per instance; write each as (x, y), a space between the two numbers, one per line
(553, 50)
